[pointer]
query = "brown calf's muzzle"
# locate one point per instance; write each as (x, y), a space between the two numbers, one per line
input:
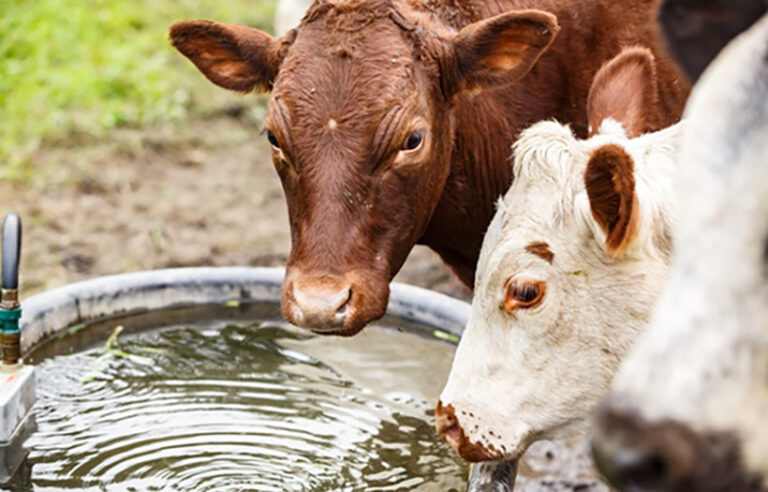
(330, 304)
(635, 454)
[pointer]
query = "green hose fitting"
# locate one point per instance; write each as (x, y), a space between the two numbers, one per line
(10, 336)
(9, 320)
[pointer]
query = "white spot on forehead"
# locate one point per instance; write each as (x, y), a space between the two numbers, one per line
(332, 124)
(609, 126)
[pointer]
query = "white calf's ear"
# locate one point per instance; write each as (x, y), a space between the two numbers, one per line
(625, 89)
(610, 183)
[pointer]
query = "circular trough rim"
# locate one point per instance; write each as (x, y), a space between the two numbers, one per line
(53, 311)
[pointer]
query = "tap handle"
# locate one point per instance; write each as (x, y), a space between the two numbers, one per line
(11, 251)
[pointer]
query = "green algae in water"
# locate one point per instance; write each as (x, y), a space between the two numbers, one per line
(259, 407)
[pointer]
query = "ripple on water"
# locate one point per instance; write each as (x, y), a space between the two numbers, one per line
(241, 408)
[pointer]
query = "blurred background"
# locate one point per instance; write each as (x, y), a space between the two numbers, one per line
(120, 156)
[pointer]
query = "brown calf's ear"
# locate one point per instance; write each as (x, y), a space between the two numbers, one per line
(625, 89)
(500, 50)
(238, 58)
(610, 183)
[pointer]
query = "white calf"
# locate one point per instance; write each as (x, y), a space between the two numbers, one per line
(569, 271)
(689, 408)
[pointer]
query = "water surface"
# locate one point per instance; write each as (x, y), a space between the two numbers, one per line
(244, 407)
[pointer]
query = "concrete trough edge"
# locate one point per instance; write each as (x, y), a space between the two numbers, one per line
(51, 311)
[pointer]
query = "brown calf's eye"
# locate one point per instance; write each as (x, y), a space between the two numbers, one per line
(413, 141)
(523, 293)
(272, 139)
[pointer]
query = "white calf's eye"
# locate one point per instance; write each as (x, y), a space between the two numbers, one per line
(523, 293)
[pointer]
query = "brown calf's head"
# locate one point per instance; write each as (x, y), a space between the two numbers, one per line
(360, 127)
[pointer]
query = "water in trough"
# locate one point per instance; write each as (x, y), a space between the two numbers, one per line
(258, 406)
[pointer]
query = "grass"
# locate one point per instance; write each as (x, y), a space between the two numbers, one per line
(84, 67)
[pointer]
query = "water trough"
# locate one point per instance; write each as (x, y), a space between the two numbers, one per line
(222, 293)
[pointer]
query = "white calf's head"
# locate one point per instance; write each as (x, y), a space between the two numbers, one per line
(569, 270)
(689, 407)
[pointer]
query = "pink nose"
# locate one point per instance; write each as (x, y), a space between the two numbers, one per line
(320, 305)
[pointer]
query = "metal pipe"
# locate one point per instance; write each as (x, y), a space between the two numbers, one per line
(492, 477)
(10, 309)
(11, 251)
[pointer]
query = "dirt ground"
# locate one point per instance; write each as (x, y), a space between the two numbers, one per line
(201, 194)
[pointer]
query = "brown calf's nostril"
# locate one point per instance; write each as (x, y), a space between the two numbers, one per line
(344, 306)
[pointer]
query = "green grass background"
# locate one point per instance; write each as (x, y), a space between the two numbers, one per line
(72, 68)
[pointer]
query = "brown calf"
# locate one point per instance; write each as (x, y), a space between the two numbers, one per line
(391, 123)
